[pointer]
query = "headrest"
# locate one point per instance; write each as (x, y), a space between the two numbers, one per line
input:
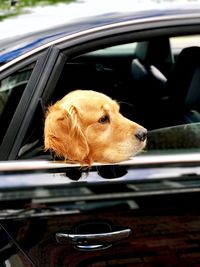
(138, 71)
(184, 81)
(156, 52)
(157, 74)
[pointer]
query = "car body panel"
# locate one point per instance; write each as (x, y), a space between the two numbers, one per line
(69, 31)
(164, 219)
(159, 236)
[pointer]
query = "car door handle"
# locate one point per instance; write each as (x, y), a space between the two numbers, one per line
(97, 241)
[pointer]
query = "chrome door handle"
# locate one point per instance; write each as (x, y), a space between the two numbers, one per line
(95, 241)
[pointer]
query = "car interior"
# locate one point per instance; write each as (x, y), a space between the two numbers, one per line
(156, 83)
(137, 80)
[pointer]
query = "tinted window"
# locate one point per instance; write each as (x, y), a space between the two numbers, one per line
(11, 90)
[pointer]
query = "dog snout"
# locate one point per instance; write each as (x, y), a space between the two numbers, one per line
(141, 134)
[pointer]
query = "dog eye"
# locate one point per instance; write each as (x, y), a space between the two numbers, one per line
(104, 119)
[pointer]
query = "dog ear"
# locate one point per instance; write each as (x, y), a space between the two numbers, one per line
(63, 135)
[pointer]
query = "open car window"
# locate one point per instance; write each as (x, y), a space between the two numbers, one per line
(137, 78)
(180, 42)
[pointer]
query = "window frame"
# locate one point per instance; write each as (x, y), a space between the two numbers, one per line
(45, 62)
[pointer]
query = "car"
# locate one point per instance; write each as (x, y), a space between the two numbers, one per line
(139, 212)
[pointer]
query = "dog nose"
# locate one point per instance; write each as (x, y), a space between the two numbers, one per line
(141, 134)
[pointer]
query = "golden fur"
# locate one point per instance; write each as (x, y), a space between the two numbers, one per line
(86, 126)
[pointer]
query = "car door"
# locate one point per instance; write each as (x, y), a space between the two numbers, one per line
(142, 212)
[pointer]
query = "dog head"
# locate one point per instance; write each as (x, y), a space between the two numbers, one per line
(86, 126)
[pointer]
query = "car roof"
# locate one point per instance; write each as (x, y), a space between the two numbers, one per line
(12, 48)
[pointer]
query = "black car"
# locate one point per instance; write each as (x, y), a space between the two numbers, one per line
(141, 212)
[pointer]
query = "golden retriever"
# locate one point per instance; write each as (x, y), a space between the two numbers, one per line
(86, 126)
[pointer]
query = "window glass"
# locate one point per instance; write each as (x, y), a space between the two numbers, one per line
(11, 89)
(122, 49)
(180, 42)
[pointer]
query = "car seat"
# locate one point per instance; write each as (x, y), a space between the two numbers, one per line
(149, 70)
(155, 52)
(183, 102)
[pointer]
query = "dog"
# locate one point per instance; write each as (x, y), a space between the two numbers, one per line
(86, 126)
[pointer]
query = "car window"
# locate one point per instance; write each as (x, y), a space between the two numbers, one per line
(134, 76)
(123, 49)
(180, 42)
(11, 90)
(145, 85)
